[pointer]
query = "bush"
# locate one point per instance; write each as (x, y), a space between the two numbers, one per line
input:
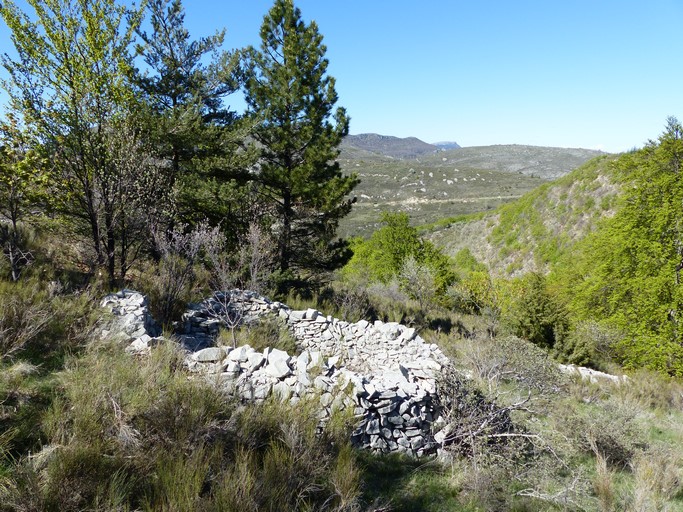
(516, 360)
(386, 257)
(610, 429)
(537, 315)
(473, 420)
(587, 344)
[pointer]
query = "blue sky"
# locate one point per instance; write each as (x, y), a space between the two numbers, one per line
(596, 74)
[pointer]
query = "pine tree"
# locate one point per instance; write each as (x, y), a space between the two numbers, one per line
(184, 94)
(185, 87)
(298, 133)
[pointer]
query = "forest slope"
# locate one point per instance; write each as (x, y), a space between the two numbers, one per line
(531, 232)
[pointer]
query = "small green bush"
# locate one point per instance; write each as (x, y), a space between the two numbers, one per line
(537, 315)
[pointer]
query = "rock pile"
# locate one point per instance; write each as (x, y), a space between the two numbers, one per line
(363, 346)
(383, 373)
(593, 376)
(394, 410)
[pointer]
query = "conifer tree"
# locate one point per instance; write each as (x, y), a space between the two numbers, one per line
(185, 88)
(298, 133)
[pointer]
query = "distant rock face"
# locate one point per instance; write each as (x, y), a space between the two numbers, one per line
(384, 372)
(447, 145)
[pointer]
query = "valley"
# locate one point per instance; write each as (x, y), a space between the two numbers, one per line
(444, 184)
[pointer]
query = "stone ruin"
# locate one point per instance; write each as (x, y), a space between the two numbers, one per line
(384, 372)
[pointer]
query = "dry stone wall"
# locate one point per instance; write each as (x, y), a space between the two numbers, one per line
(383, 372)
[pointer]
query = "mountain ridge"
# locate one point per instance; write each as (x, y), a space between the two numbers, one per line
(389, 145)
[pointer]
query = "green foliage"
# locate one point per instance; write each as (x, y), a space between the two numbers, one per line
(627, 273)
(184, 90)
(71, 87)
(23, 181)
(384, 255)
(291, 99)
(542, 226)
(381, 257)
(537, 314)
(587, 344)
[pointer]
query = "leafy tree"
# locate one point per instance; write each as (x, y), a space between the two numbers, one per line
(627, 274)
(396, 250)
(23, 181)
(298, 132)
(71, 85)
(420, 281)
(381, 257)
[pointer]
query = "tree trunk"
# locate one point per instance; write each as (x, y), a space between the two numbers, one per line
(111, 248)
(286, 235)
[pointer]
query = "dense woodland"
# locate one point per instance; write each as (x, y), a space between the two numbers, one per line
(123, 165)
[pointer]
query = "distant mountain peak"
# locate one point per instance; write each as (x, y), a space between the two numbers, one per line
(388, 145)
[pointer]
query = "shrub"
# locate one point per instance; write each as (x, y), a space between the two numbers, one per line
(537, 315)
(588, 344)
(39, 324)
(473, 420)
(609, 428)
(517, 360)
(142, 434)
(384, 256)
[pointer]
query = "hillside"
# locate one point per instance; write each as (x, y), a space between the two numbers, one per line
(534, 230)
(544, 162)
(449, 183)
